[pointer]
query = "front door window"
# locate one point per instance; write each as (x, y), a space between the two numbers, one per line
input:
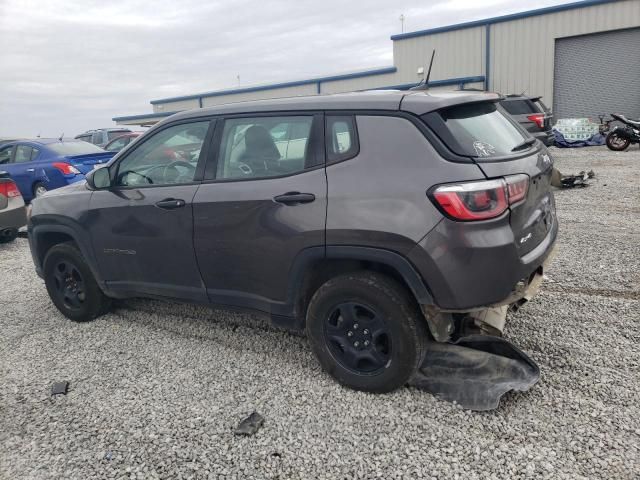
(169, 157)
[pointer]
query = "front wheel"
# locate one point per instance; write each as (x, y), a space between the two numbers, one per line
(366, 331)
(71, 285)
(617, 142)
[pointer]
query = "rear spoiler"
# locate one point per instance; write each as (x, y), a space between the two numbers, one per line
(423, 102)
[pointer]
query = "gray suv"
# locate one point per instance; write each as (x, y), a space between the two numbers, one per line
(377, 222)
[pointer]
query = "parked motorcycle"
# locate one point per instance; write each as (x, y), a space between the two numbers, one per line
(621, 136)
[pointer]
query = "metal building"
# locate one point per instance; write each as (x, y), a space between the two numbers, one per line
(582, 57)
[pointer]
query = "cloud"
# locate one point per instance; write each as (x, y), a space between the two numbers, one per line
(72, 65)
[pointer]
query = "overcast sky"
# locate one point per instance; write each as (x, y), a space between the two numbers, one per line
(72, 65)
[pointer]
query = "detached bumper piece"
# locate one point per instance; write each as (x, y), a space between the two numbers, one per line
(476, 371)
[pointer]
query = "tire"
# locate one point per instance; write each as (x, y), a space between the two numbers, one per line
(39, 189)
(617, 143)
(8, 235)
(71, 285)
(346, 312)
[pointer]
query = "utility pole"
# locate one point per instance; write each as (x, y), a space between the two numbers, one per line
(402, 23)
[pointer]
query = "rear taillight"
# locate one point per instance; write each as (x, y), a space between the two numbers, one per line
(9, 189)
(538, 118)
(480, 200)
(517, 186)
(65, 168)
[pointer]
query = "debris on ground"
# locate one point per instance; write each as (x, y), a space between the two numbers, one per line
(250, 425)
(59, 388)
(486, 367)
(559, 180)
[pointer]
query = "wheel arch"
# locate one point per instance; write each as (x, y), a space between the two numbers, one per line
(314, 266)
(45, 236)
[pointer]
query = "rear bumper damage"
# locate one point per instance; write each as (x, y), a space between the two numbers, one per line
(469, 363)
(485, 369)
(446, 324)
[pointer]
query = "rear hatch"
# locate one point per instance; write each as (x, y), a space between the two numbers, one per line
(487, 136)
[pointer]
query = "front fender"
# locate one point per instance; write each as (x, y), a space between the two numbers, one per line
(46, 231)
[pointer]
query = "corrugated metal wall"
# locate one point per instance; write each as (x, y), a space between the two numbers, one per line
(521, 56)
(176, 106)
(309, 89)
(522, 51)
(459, 53)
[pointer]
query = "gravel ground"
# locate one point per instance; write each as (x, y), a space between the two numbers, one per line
(156, 389)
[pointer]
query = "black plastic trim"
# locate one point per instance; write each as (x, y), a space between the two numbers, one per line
(392, 259)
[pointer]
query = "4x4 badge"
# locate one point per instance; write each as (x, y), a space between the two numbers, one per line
(525, 238)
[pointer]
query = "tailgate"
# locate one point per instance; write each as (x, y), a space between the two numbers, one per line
(532, 219)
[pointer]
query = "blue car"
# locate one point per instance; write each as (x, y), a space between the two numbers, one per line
(46, 163)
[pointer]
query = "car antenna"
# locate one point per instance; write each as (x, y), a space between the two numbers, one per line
(424, 83)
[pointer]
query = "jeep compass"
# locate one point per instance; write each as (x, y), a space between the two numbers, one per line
(376, 222)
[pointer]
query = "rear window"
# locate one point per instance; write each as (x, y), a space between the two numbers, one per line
(119, 133)
(519, 107)
(74, 148)
(478, 130)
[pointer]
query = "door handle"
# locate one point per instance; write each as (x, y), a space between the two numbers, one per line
(31, 169)
(295, 198)
(170, 203)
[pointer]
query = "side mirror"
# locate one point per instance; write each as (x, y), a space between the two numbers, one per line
(99, 179)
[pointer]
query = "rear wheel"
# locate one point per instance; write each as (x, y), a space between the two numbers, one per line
(39, 189)
(71, 284)
(366, 331)
(616, 142)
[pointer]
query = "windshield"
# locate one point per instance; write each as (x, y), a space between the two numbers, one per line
(74, 148)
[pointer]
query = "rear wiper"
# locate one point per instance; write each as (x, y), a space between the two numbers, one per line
(523, 144)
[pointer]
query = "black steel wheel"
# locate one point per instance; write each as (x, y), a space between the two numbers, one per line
(358, 337)
(366, 331)
(71, 285)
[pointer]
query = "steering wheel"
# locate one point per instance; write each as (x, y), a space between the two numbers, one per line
(128, 172)
(171, 165)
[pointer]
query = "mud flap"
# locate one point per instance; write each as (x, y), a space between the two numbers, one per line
(475, 371)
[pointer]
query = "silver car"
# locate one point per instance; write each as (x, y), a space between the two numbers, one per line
(12, 209)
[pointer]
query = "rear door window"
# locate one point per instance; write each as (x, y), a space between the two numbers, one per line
(478, 130)
(259, 147)
(23, 154)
